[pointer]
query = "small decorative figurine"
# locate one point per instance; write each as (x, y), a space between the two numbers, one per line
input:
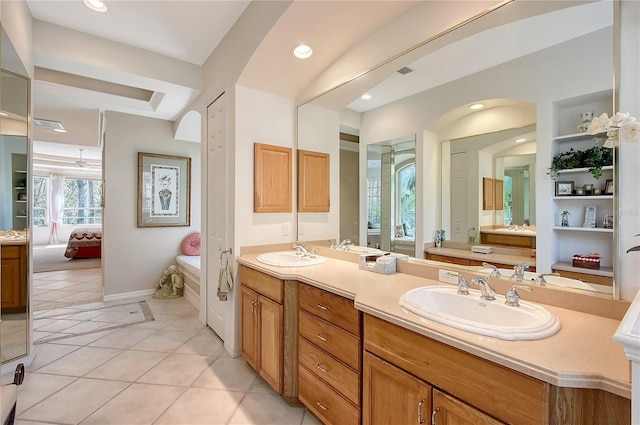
(565, 219)
(170, 284)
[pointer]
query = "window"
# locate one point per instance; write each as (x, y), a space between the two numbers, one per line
(406, 181)
(40, 196)
(374, 201)
(82, 201)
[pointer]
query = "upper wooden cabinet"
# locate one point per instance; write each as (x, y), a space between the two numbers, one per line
(272, 178)
(492, 194)
(498, 189)
(313, 181)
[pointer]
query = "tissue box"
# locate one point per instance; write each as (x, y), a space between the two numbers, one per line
(482, 249)
(384, 264)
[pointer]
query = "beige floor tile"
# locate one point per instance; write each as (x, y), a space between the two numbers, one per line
(204, 343)
(54, 295)
(137, 404)
(38, 386)
(266, 409)
(260, 386)
(47, 353)
(84, 339)
(177, 369)
(227, 374)
(128, 366)
(201, 406)
(310, 419)
(83, 327)
(75, 402)
(81, 361)
(122, 338)
(164, 341)
(58, 325)
(186, 323)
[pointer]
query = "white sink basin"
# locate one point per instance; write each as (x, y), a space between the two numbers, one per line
(288, 259)
(442, 304)
(364, 250)
(552, 280)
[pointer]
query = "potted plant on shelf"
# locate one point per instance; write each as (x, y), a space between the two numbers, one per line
(593, 159)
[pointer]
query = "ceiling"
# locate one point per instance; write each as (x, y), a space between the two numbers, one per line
(145, 57)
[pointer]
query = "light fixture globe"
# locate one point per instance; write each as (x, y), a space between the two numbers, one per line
(96, 5)
(302, 51)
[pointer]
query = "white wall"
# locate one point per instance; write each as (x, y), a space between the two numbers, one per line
(264, 118)
(134, 258)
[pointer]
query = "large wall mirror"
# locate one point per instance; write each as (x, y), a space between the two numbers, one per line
(14, 214)
(529, 64)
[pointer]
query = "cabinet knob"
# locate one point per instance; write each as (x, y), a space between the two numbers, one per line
(321, 405)
(322, 368)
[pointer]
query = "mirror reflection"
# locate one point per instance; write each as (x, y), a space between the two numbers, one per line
(14, 244)
(535, 80)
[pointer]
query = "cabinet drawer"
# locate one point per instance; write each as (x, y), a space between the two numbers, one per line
(330, 370)
(264, 284)
(11, 252)
(330, 307)
(330, 338)
(585, 277)
(447, 259)
(324, 402)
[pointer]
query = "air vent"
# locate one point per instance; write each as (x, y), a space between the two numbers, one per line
(404, 70)
(54, 125)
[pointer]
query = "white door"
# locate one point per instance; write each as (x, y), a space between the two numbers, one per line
(216, 211)
(459, 198)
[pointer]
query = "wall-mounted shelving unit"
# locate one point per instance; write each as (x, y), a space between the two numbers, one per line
(20, 204)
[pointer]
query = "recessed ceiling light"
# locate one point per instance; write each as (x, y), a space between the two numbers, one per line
(476, 106)
(96, 5)
(366, 96)
(521, 140)
(302, 51)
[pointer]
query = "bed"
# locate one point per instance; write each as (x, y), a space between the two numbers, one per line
(84, 243)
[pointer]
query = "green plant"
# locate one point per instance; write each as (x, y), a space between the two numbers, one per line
(593, 159)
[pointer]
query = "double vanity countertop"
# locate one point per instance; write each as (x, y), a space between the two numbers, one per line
(582, 354)
(494, 257)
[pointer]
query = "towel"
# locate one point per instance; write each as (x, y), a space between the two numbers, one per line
(225, 282)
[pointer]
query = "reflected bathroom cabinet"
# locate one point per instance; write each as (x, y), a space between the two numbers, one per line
(313, 181)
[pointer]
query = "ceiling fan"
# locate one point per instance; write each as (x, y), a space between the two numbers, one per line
(82, 163)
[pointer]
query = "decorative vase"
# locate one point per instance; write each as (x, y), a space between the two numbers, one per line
(585, 120)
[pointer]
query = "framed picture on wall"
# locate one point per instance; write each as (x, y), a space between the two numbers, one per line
(564, 188)
(164, 188)
(608, 187)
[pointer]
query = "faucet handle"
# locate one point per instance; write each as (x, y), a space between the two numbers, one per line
(463, 285)
(540, 280)
(494, 270)
(512, 298)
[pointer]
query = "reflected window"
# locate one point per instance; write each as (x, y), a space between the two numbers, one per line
(82, 201)
(406, 190)
(40, 196)
(374, 201)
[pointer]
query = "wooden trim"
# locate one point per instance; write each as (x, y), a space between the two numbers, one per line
(290, 342)
(272, 176)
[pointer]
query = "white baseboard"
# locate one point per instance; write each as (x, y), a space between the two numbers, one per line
(126, 295)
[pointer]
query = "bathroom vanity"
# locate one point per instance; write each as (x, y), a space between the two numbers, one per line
(14, 275)
(381, 363)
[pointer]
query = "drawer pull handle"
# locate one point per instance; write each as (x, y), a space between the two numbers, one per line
(433, 415)
(322, 406)
(322, 368)
(322, 337)
(322, 306)
(420, 420)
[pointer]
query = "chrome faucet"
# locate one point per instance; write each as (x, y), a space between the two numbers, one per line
(344, 245)
(487, 291)
(463, 286)
(494, 270)
(303, 251)
(512, 298)
(540, 280)
(518, 271)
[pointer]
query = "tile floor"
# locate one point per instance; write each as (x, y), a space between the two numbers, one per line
(66, 287)
(104, 363)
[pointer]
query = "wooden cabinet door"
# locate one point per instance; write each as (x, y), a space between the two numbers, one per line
(270, 342)
(272, 178)
(392, 396)
(488, 194)
(451, 411)
(313, 181)
(498, 186)
(10, 284)
(249, 318)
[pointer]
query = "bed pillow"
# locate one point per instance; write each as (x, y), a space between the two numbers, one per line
(191, 244)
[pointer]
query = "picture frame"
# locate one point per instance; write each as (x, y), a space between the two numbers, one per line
(608, 187)
(590, 216)
(164, 190)
(564, 188)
